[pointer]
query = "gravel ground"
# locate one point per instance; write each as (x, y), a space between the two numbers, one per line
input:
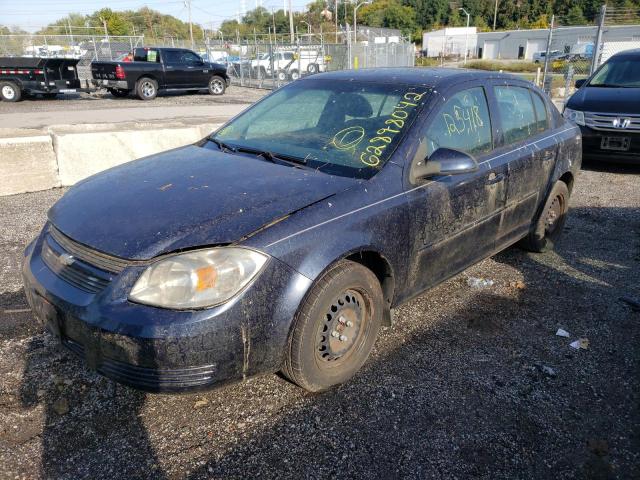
(468, 383)
(103, 99)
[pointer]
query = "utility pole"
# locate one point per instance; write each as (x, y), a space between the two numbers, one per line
(293, 37)
(597, 48)
(336, 21)
(466, 36)
(547, 86)
(187, 3)
(495, 16)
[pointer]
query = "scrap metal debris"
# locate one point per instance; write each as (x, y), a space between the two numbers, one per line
(475, 282)
(562, 333)
(581, 343)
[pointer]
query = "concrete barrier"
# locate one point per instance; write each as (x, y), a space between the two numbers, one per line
(84, 150)
(27, 162)
(32, 160)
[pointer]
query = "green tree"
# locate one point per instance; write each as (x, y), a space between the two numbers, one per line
(575, 16)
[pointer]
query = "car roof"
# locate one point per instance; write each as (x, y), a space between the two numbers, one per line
(633, 53)
(429, 77)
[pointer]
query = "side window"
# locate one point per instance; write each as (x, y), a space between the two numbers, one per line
(288, 56)
(462, 123)
(541, 113)
(516, 113)
(171, 57)
(190, 58)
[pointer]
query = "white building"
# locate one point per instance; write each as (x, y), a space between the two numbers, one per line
(519, 44)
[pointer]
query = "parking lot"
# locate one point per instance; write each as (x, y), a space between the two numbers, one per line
(469, 382)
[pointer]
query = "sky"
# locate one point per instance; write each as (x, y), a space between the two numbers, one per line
(32, 15)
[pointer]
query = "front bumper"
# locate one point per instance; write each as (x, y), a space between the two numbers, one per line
(162, 350)
(592, 143)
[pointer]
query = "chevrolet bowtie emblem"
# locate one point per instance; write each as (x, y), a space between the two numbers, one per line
(621, 122)
(66, 259)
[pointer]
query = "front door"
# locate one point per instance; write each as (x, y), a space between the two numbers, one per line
(455, 218)
(176, 72)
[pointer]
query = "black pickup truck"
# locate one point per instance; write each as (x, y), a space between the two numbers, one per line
(155, 69)
(24, 76)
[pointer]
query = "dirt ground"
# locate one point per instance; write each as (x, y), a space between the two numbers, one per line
(469, 382)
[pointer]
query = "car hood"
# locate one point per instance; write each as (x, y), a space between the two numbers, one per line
(185, 198)
(606, 100)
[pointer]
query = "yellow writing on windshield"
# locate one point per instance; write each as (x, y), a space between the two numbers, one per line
(401, 111)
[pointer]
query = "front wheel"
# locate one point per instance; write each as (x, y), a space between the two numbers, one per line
(547, 229)
(335, 328)
(295, 75)
(10, 92)
(217, 85)
(147, 88)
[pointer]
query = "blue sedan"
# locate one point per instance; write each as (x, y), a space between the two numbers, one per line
(284, 241)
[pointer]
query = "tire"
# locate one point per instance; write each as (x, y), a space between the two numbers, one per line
(294, 74)
(335, 327)
(146, 88)
(546, 230)
(119, 93)
(312, 68)
(217, 85)
(282, 75)
(10, 92)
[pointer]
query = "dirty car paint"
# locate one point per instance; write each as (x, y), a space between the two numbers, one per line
(413, 233)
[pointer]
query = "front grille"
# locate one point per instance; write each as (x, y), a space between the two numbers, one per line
(605, 122)
(71, 270)
(88, 255)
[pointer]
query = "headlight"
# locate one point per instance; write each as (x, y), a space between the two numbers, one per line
(574, 116)
(198, 279)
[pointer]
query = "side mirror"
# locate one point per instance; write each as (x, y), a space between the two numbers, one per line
(580, 82)
(445, 161)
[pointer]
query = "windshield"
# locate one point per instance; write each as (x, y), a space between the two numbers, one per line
(338, 127)
(621, 72)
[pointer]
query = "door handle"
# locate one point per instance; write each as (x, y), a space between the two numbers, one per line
(493, 178)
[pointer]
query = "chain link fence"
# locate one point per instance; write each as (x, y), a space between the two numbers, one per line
(574, 53)
(269, 61)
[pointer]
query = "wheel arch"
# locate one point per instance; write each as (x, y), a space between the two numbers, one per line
(568, 179)
(382, 269)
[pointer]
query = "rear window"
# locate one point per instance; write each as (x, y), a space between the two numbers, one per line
(541, 113)
(517, 114)
(146, 55)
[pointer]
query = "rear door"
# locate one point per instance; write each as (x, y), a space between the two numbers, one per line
(455, 218)
(526, 141)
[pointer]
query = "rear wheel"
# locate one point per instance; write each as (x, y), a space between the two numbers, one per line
(217, 85)
(10, 92)
(335, 328)
(119, 93)
(312, 68)
(282, 75)
(295, 75)
(147, 88)
(547, 229)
